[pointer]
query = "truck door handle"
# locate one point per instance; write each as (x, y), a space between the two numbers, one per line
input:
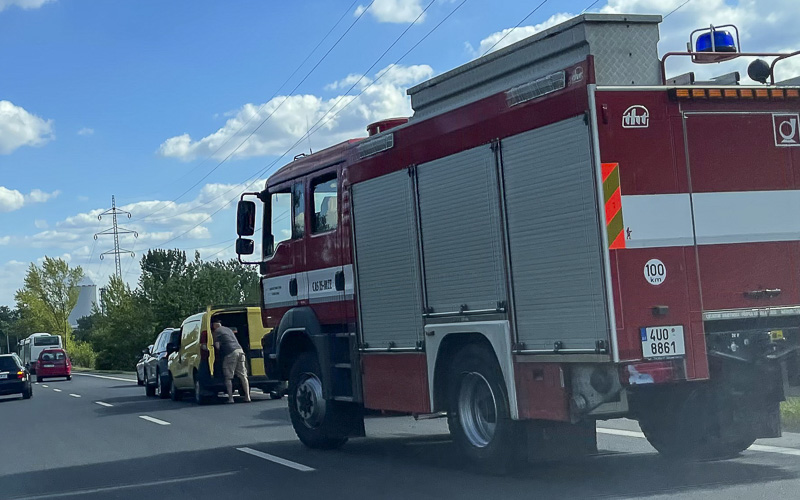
(338, 281)
(293, 287)
(767, 293)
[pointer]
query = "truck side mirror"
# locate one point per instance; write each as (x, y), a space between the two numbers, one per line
(245, 220)
(244, 246)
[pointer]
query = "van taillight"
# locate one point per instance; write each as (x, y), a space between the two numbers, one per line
(204, 345)
(20, 375)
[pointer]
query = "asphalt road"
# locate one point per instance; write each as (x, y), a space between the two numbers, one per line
(102, 438)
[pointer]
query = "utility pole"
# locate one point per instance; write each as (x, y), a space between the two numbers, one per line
(116, 231)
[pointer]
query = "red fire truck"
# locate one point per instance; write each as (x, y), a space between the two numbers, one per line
(560, 234)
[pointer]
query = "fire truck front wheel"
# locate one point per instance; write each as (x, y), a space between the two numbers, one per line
(316, 421)
(478, 414)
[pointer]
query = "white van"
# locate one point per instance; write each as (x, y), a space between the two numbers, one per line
(30, 347)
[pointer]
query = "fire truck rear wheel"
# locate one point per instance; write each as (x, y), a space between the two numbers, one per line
(687, 427)
(478, 414)
(316, 421)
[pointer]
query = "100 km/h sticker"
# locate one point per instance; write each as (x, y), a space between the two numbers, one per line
(655, 272)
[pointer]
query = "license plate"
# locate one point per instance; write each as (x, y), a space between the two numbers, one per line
(662, 341)
(3, 375)
(49, 366)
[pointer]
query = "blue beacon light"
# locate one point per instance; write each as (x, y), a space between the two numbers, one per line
(723, 42)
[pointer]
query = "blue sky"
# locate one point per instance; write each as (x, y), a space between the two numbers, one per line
(143, 99)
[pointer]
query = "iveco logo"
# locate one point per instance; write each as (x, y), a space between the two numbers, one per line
(636, 117)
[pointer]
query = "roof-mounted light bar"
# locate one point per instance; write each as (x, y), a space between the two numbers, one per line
(711, 94)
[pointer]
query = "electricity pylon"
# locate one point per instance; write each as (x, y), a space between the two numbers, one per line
(116, 231)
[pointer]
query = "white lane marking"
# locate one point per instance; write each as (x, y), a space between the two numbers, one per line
(45, 385)
(775, 449)
(75, 395)
(154, 420)
(106, 377)
(620, 432)
(57, 390)
(90, 491)
(277, 460)
(756, 447)
(103, 403)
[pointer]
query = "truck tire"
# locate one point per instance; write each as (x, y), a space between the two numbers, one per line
(163, 386)
(478, 412)
(686, 426)
(149, 390)
(316, 421)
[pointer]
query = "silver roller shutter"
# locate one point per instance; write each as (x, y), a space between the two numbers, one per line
(461, 241)
(554, 235)
(386, 261)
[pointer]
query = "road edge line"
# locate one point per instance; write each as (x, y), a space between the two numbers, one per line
(277, 460)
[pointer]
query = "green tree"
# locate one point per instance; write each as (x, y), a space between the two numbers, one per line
(48, 296)
(8, 325)
(126, 326)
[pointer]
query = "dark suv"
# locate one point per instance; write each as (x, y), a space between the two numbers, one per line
(14, 377)
(156, 374)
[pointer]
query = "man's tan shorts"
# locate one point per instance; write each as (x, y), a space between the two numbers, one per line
(234, 364)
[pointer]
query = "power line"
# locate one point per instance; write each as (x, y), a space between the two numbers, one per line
(395, 63)
(257, 128)
(515, 27)
(316, 127)
(676, 9)
(590, 6)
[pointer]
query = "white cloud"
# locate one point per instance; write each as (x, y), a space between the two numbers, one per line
(508, 36)
(83, 198)
(394, 11)
(5, 240)
(20, 128)
(384, 99)
(12, 199)
(86, 131)
(23, 4)
(40, 224)
(39, 196)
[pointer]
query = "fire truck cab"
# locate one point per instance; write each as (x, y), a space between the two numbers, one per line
(560, 234)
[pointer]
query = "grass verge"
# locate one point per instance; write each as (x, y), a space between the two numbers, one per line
(790, 414)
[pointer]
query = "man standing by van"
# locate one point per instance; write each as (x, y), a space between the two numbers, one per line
(233, 358)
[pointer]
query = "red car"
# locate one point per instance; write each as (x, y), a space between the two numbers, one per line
(53, 363)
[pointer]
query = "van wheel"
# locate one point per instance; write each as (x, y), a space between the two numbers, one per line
(316, 421)
(199, 397)
(477, 411)
(163, 387)
(28, 394)
(39, 379)
(69, 377)
(174, 392)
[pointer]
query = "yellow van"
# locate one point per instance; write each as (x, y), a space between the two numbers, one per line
(193, 366)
